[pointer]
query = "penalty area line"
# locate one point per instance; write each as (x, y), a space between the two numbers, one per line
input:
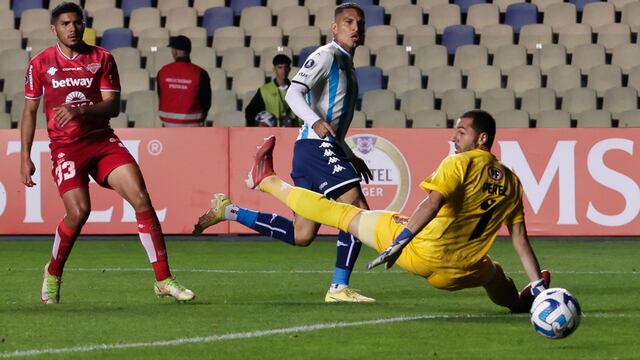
(240, 335)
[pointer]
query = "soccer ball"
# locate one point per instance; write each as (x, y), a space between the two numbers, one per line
(555, 313)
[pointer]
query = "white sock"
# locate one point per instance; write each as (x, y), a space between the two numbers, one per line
(337, 287)
(231, 212)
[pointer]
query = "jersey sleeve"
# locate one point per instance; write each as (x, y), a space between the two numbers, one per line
(32, 82)
(314, 69)
(110, 79)
(447, 177)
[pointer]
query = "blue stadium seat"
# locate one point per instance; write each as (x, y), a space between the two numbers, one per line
(304, 54)
(466, 4)
(457, 35)
(129, 5)
(369, 78)
(374, 15)
(520, 14)
(22, 5)
(238, 5)
(217, 17)
(362, 3)
(581, 3)
(116, 38)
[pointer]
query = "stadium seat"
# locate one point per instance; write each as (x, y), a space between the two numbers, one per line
(369, 78)
(404, 78)
(54, 3)
(249, 79)
(10, 39)
(20, 6)
(152, 38)
(265, 37)
(359, 120)
(456, 101)
(222, 101)
(553, 119)
(430, 118)
(374, 15)
(128, 6)
(116, 38)
(229, 118)
(142, 109)
(217, 17)
(277, 5)
(634, 78)
(390, 5)
(17, 106)
(483, 78)
(604, 77)
(519, 15)
(5, 121)
(626, 56)
(389, 119)
(548, 56)
(497, 100)
(598, 14)
(315, 5)
(91, 6)
(523, 78)
(143, 19)
(180, 18)
(255, 17)
(443, 16)
(581, 3)
(619, 100)
(457, 35)
(483, 14)
(614, 35)
(306, 51)
(508, 57)
(267, 54)
(165, 6)
(127, 57)
(201, 6)
(13, 83)
(379, 36)
(559, 15)
(593, 119)
(468, 57)
(620, 4)
(119, 122)
(89, 36)
(427, 5)
(562, 78)
(631, 15)
(239, 5)
(34, 19)
(512, 119)
(504, 4)
(228, 37)
(7, 20)
(404, 16)
(3, 103)
(293, 17)
(237, 58)
(324, 18)
(197, 35)
(466, 4)
(533, 36)
(107, 18)
(413, 101)
(303, 37)
(134, 79)
(359, 2)
(578, 100)
(629, 118)
(444, 78)
(417, 36)
(391, 56)
(586, 56)
(375, 101)
(534, 101)
(156, 60)
(218, 79)
(572, 35)
(429, 57)
(495, 36)
(543, 5)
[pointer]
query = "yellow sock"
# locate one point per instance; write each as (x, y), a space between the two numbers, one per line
(311, 205)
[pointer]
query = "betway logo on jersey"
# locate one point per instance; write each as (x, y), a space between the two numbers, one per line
(86, 82)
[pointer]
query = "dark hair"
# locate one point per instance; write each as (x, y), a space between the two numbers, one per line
(483, 122)
(66, 7)
(348, 5)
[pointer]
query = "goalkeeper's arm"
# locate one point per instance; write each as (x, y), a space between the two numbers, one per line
(528, 258)
(424, 213)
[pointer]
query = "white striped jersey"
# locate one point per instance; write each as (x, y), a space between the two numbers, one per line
(330, 78)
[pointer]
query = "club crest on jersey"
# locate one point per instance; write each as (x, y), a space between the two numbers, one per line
(52, 70)
(495, 174)
(93, 67)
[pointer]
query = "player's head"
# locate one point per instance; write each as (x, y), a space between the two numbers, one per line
(348, 26)
(67, 23)
(475, 129)
(281, 67)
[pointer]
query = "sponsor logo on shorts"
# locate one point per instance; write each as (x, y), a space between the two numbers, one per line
(391, 183)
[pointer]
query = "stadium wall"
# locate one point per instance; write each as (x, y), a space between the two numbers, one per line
(577, 182)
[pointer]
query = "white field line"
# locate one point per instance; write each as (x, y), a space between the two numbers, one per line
(294, 271)
(263, 333)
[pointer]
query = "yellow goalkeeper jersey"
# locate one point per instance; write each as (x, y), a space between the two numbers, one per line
(481, 194)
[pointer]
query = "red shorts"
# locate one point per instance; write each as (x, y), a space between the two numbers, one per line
(96, 156)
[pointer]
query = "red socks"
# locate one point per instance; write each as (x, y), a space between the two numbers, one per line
(65, 238)
(153, 241)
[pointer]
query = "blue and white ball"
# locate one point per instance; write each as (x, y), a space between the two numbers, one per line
(555, 313)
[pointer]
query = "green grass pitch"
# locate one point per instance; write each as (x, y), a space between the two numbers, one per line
(261, 299)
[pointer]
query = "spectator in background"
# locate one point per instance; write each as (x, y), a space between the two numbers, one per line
(268, 107)
(184, 89)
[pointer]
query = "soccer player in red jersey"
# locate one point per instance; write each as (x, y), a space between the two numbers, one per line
(81, 90)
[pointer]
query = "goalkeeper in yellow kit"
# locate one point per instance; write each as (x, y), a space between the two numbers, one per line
(447, 238)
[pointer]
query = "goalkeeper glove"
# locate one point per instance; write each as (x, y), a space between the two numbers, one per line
(392, 253)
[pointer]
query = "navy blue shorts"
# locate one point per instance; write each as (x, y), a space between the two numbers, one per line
(322, 167)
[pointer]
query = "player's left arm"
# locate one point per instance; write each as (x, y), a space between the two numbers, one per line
(528, 258)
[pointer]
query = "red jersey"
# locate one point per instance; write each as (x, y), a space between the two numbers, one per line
(75, 81)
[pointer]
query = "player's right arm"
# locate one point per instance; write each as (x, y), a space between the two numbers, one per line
(27, 131)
